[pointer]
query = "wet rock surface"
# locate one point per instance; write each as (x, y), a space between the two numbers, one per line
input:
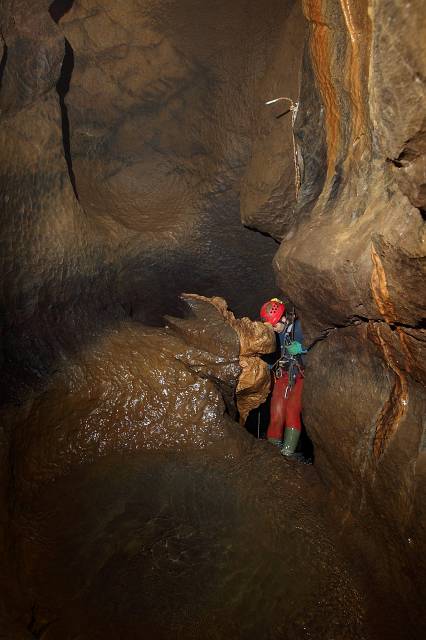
(354, 265)
(178, 545)
(138, 506)
(134, 139)
(152, 219)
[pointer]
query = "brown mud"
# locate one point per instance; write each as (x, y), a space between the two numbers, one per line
(138, 508)
(207, 545)
(135, 143)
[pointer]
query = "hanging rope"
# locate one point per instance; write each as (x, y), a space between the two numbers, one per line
(293, 108)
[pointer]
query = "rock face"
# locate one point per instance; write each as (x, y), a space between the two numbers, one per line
(134, 139)
(145, 115)
(254, 339)
(166, 105)
(139, 507)
(132, 502)
(354, 265)
(268, 193)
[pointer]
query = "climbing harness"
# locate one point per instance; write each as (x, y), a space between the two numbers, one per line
(291, 366)
(287, 362)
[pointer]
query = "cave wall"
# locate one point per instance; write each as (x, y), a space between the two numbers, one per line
(354, 265)
(131, 134)
(164, 109)
(56, 268)
(163, 101)
(119, 191)
(125, 130)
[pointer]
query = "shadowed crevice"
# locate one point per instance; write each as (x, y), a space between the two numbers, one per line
(3, 62)
(62, 88)
(59, 8)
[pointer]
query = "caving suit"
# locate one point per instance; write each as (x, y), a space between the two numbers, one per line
(286, 403)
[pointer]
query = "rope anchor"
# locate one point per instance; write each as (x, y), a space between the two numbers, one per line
(294, 106)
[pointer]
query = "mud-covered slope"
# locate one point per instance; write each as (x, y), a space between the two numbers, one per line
(137, 506)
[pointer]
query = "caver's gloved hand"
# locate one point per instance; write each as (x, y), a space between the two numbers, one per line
(295, 348)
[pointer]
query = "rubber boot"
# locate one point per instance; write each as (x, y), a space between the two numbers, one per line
(291, 438)
(275, 442)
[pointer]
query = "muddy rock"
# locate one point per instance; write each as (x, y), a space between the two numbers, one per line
(99, 221)
(255, 339)
(167, 106)
(134, 499)
(137, 155)
(354, 265)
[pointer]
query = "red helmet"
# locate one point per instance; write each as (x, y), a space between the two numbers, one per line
(272, 311)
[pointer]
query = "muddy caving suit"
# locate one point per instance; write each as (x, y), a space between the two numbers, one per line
(286, 401)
